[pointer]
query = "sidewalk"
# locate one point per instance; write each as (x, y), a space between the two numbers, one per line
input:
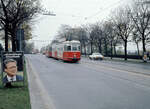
(39, 97)
(120, 59)
(128, 60)
(131, 65)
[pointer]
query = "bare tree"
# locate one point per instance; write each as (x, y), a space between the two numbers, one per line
(107, 33)
(141, 18)
(123, 26)
(13, 13)
(111, 35)
(92, 35)
(82, 37)
(64, 32)
(136, 38)
(98, 35)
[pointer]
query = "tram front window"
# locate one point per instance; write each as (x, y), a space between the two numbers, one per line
(68, 48)
(74, 48)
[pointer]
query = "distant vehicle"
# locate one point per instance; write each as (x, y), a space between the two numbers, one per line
(96, 56)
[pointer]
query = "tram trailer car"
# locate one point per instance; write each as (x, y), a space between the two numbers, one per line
(66, 51)
(48, 52)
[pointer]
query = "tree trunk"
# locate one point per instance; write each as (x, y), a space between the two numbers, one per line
(111, 49)
(115, 50)
(125, 50)
(84, 49)
(106, 48)
(100, 46)
(91, 47)
(138, 49)
(24, 44)
(143, 42)
(6, 39)
(14, 42)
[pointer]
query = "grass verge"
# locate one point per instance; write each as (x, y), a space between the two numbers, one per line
(15, 97)
(137, 61)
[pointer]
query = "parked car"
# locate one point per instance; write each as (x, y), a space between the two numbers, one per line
(96, 56)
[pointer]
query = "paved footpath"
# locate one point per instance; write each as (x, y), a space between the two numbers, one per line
(131, 65)
(39, 97)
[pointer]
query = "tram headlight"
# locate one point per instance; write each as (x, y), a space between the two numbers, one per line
(74, 56)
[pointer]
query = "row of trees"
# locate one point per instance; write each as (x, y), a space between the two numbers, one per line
(131, 23)
(16, 14)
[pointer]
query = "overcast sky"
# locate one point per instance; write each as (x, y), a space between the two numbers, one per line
(73, 13)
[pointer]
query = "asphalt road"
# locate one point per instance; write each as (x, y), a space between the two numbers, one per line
(93, 84)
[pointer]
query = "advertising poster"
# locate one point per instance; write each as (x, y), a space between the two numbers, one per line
(12, 67)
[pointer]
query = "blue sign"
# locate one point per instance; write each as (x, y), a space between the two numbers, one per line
(20, 34)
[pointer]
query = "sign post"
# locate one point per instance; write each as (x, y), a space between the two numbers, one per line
(20, 38)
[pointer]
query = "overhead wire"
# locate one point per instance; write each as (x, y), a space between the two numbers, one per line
(102, 11)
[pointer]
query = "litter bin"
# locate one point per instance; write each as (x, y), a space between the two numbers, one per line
(145, 57)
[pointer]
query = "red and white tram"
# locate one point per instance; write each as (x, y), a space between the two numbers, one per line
(66, 50)
(48, 51)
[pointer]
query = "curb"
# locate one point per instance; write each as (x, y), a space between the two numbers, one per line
(39, 97)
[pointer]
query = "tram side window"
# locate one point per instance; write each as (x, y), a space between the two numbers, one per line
(50, 48)
(79, 48)
(68, 48)
(65, 48)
